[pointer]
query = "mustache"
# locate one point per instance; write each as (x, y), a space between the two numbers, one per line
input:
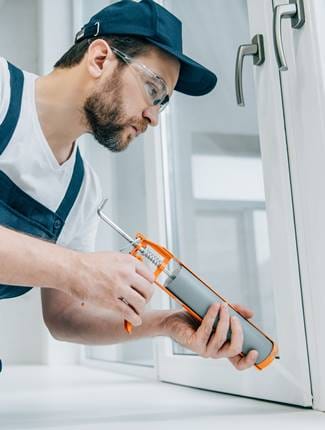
(141, 125)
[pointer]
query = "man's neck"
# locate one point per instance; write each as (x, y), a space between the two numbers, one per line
(59, 103)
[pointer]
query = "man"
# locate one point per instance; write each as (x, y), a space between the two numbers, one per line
(113, 83)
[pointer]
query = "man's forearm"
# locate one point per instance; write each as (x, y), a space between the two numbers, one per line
(96, 327)
(27, 261)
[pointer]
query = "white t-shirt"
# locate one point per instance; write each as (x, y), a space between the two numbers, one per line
(30, 163)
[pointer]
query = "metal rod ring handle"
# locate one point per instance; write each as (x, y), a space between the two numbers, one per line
(112, 224)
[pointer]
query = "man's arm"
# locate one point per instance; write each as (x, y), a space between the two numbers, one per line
(68, 321)
(27, 261)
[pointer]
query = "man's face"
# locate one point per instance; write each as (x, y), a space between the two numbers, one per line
(118, 109)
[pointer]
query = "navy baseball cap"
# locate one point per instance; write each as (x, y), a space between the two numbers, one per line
(159, 27)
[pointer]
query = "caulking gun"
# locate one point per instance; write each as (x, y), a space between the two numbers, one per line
(191, 292)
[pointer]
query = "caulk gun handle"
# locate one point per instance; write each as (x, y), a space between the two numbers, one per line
(128, 327)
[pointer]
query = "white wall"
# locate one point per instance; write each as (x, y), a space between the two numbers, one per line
(31, 38)
(19, 32)
(22, 332)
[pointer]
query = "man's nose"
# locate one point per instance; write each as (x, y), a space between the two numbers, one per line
(151, 113)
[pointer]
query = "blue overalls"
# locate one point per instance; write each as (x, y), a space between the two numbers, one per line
(18, 210)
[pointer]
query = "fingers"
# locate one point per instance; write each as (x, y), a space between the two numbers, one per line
(233, 348)
(243, 362)
(203, 333)
(225, 342)
(221, 334)
(144, 271)
(128, 313)
(243, 310)
(135, 299)
(235, 345)
(142, 286)
(220, 344)
(237, 337)
(138, 293)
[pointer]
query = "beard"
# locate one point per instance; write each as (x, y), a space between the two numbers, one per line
(105, 117)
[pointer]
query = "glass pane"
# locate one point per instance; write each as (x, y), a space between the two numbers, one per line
(220, 228)
(213, 160)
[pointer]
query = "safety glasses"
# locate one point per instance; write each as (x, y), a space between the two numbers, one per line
(155, 87)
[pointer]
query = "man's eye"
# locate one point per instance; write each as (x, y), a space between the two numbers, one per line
(151, 90)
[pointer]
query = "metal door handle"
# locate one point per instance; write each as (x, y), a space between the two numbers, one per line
(293, 10)
(256, 49)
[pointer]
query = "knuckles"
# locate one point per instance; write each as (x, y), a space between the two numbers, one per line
(234, 350)
(204, 353)
(150, 292)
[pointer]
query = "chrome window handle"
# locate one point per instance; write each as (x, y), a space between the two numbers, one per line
(256, 49)
(293, 10)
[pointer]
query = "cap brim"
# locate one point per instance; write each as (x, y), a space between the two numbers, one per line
(194, 79)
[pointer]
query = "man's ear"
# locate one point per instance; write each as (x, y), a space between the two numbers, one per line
(98, 55)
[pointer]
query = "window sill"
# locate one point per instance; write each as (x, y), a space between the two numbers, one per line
(68, 397)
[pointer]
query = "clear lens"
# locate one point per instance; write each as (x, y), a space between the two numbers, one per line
(155, 87)
(155, 90)
(164, 103)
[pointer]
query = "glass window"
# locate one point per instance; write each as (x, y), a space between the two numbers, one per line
(221, 228)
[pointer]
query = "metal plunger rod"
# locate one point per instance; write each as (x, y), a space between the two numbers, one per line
(112, 224)
(146, 253)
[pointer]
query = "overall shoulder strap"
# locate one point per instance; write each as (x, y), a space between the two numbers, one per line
(8, 125)
(73, 189)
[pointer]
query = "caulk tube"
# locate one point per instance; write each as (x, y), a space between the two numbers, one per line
(191, 291)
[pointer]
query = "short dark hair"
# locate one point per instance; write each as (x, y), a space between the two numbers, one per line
(130, 45)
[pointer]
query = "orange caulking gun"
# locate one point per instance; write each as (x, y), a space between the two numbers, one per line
(191, 292)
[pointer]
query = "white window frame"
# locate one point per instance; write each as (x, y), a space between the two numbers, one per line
(303, 86)
(286, 380)
(273, 154)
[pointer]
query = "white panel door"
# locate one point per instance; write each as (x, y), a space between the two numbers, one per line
(229, 211)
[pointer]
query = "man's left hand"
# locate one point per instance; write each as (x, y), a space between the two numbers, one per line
(203, 340)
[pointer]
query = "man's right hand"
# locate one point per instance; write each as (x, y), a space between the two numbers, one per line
(115, 281)
(102, 279)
